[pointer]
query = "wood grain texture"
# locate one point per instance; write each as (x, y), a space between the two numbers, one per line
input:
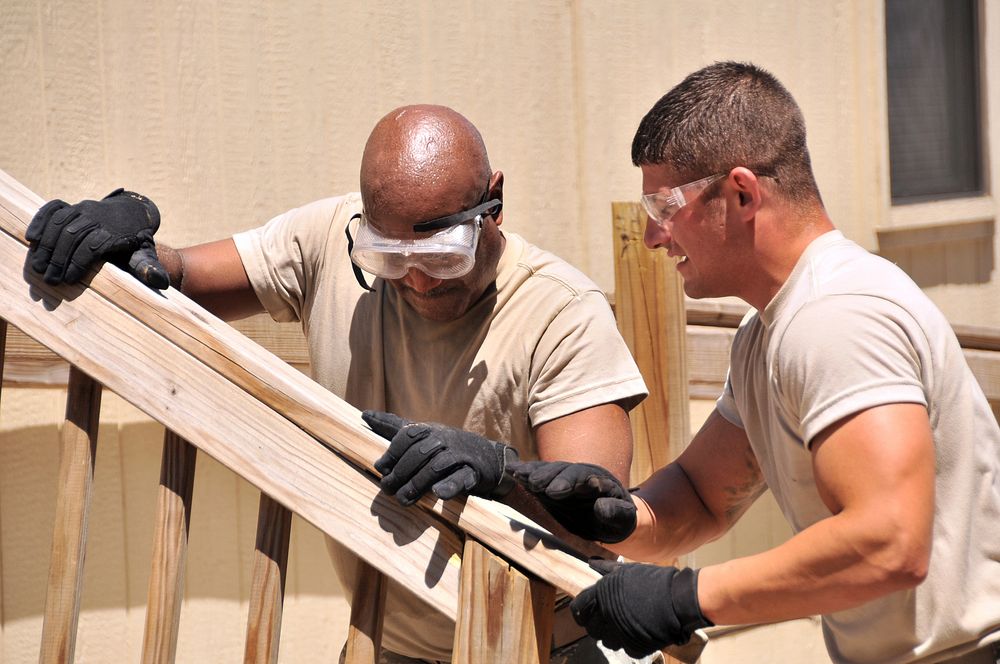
(210, 411)
(649, 307)
(69, 536)
(170, 545)
(191, 360)
(364, 635)
(504, 616)
(267, 582)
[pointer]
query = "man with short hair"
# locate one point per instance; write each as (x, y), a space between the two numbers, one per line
(455, 321)
(848, 397)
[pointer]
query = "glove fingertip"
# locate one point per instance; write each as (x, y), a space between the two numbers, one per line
(384, 424)
(446, 489)
(603, 566)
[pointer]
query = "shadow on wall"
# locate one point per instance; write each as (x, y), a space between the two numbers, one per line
(955, 254)
(221, 542)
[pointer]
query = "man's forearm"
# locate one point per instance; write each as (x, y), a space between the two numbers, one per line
(172, 261)
(671, 519)
(835, 564)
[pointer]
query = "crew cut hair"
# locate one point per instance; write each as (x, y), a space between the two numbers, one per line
(725, 115)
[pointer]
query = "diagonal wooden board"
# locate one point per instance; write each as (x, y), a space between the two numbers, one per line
(257, 415)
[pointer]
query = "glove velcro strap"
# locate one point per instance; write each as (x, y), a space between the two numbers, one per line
(685, 600)
(505, 455)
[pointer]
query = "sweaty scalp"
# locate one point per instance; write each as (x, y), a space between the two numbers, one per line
(422, 154)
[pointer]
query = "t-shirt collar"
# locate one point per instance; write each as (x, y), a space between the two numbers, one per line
(773, 310)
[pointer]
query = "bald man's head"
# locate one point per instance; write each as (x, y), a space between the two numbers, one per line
(424, 162)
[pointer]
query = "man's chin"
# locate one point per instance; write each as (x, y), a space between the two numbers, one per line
(441, 308)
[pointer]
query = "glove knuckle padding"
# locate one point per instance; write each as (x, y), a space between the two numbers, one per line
(70, 239)
(433, 456)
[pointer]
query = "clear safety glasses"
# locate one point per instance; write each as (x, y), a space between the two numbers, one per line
(662, 205)
(448, 253)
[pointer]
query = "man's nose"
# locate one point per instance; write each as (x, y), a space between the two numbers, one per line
(420, 281)
(657, 235)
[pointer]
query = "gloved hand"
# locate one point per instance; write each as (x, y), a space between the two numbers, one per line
(585, 499)
(448, 461)
(67, 240)
(641, 608)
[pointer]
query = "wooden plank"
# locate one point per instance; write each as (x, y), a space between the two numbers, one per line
(364, 635)
(210, 411)
(69, 536)
(504, 616)
(214, 345)
(267, 588)
(170, 543)
(649, 307)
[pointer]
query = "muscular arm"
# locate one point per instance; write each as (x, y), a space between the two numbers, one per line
(212, 274)
(875, 473)
(696, 498)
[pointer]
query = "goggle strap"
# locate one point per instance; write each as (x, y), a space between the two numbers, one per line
(358, 274)
(492, 206)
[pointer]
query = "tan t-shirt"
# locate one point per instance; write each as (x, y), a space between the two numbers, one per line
(542, 346)
(849, 331)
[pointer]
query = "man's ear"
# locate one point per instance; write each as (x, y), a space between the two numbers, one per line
(747, 187)
(496, 191)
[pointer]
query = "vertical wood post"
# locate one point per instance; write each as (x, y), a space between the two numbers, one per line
(170, 541)
(69, 536)
(649, 307)
(503, 616)
(267, 585)
(3, 353)
(364, 636)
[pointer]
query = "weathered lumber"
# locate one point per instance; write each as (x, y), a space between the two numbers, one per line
(69, 536)
(267, 585)
(170, 543)
(649, 307)
(504, 616)
(191, 346)
(364, 634)
(212, 412)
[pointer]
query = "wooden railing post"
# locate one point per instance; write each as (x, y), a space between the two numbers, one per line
(364, 635)
(170, 541)
(267, 585)
(69, 535)
(649, 307)
(503, 616)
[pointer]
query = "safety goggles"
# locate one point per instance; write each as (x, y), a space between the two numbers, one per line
(662, 205)
(449, 252)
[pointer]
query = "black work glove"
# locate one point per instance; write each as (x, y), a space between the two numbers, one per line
(67, 240)
(641, 608)
(448, 461)
(585, 499)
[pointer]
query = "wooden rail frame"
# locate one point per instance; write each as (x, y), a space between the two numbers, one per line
(218, 392)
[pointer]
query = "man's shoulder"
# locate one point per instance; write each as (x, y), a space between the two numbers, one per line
(543, 269)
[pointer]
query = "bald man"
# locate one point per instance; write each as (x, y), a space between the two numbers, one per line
(413, 301)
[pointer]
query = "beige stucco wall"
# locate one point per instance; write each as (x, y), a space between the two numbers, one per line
(229, 112)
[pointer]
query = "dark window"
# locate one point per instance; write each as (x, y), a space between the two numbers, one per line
(932, 63)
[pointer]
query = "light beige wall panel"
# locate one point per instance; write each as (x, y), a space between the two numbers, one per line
(630, 54)
(229, 112)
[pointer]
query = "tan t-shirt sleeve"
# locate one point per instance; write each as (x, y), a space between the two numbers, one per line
(842, 354)
(581, 361)
(282, 256)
